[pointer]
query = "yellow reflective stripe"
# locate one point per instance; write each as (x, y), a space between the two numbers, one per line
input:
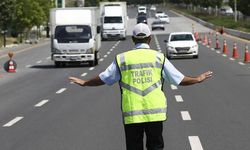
(140, 92)
(144, 112)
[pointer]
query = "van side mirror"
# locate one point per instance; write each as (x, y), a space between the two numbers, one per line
(98, 29)
(166, 41)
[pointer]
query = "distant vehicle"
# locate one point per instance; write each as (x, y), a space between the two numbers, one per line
(159, 13)
(164, 18)
(142, 19)
(32, 38)
(75, 35)
(158, 25)
(142, 9)
(181, 44)
(153, 8)
(226, 10)
(114, 20)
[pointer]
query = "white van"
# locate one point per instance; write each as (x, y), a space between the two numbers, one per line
(226, 10)
(142, 9)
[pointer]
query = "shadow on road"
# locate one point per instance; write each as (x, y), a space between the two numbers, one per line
(61, 67)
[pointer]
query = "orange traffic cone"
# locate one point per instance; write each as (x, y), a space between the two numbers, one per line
(217, 44)
(235, 51)
(196, 36)
(205, 40)
(11, 64)
(209, 42)
(225, 49)
(11, 68)
(247, 56)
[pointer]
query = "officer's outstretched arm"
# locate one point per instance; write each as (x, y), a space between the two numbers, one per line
(96, 81)
(193, 80)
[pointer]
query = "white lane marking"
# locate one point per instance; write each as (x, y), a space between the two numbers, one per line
(111, 49)
(101, 59)
(108, 53)
(61, 90)
(212, 49)
(48, 58)
(241, 63)
(178, 98)
(224, 55)
(185, 115)
(84, 74)
(105, 56)
(173, 87)
(13, 121)
(40, 104)
(231, 58)
(38, 62)
(92, 68)
(28, 66)
(218, 52)
(195, 143)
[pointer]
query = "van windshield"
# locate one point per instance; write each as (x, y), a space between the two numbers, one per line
(113, 20)
(73, 34)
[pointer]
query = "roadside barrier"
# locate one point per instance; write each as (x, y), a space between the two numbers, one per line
(247, 56)
(225, 49)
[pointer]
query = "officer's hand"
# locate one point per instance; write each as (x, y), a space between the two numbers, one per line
(205, 76)
(77, 81)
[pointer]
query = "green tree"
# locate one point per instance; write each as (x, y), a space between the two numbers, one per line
(242, 5)
(6, 13)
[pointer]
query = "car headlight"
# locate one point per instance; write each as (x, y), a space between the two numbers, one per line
(90, 51)
(195, 46)
(171, 48)
(56, 51)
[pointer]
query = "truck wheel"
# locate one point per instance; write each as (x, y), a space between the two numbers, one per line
(95, 61)
(58, 64)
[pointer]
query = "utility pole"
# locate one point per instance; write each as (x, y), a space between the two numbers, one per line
(235, 10)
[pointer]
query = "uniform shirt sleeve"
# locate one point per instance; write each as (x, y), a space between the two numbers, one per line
(171, 74)
(111, 75)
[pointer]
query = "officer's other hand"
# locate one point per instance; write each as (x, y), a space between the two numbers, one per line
(205, 76)
(77, 81)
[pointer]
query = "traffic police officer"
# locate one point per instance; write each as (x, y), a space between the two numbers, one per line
(140, 73)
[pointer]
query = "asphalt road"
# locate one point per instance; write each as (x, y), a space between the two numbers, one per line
(41, 110)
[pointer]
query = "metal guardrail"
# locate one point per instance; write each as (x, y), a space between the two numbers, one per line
(237, 33)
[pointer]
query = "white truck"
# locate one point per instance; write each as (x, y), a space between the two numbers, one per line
(75, 35)
(114, 20)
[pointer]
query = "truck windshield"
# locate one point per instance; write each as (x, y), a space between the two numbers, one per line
(113, 20)
(73, 34)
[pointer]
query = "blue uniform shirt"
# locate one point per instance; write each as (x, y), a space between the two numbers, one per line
(112, 75)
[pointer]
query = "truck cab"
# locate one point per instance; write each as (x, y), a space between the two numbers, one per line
(76, 39)
(114, 20)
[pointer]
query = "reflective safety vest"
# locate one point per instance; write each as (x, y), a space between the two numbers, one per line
(141, 86)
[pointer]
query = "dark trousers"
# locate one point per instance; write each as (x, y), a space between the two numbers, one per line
(134, 136)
